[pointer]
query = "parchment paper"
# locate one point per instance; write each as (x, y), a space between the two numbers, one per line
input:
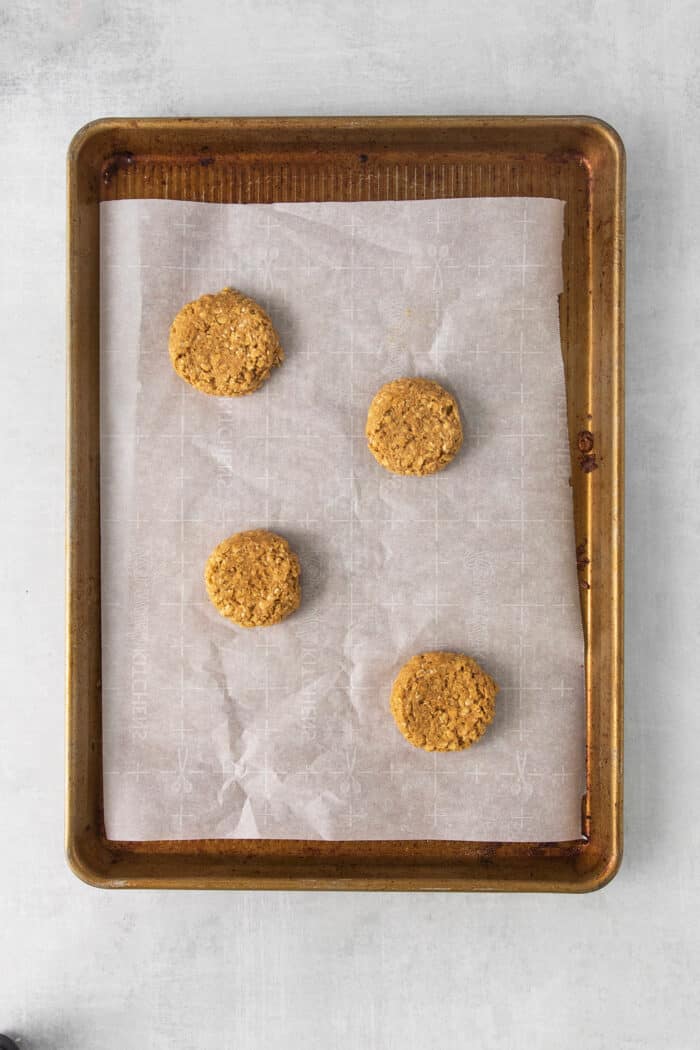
(215, 731)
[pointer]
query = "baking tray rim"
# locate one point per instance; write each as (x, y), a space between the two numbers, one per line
(96, 859)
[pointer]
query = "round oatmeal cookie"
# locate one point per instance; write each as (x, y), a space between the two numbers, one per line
(413, 427)
(443, 701)
(253, 578)
(224, 344)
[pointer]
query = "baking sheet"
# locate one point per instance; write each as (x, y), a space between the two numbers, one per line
(213, 731)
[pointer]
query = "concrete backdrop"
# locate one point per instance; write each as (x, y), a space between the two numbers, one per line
(80, 968)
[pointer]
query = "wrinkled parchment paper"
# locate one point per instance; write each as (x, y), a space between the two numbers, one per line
(215, 731)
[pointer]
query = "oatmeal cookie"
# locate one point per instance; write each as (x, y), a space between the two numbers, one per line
(224, 344)
(413, 427)
(253, 578)
(443, 701)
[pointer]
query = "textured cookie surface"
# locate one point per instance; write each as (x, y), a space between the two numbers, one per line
(413, 427)
(443, 701)
(224, 344)
(253, 578)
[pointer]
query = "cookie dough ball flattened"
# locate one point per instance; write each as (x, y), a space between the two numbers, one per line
(413, 427)
(224, 344)
(443, 701)
(253, 578)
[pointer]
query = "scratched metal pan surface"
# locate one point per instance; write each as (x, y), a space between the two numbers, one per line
(578, 159)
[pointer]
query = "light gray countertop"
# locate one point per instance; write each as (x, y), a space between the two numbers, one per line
(83, 969)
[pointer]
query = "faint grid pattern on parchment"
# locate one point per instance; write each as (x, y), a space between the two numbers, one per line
(214, 731)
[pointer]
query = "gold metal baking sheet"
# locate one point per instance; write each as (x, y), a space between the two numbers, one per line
(578, 159)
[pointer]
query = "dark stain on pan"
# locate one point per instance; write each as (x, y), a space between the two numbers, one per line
(489, 853)
(117, 162)
(585, 441)
(567, 156)
(587, 458)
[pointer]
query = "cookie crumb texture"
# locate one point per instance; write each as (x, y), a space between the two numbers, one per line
(253, 578)
(443, 701)
(413, 427)
(224, 344)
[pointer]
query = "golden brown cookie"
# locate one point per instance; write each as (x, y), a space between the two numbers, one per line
(224, 344)
(253, 578)
(413, 427)
(442, 701)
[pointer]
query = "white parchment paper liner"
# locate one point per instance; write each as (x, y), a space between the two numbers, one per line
(215, 731)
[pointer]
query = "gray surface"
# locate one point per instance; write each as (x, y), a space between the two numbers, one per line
(85, 969)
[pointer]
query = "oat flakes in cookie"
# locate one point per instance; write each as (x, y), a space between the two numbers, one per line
(224, 344)
(443, 701)
(413, 427)
(253, 578)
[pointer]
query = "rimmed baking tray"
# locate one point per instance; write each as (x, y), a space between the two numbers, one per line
(577, 159)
